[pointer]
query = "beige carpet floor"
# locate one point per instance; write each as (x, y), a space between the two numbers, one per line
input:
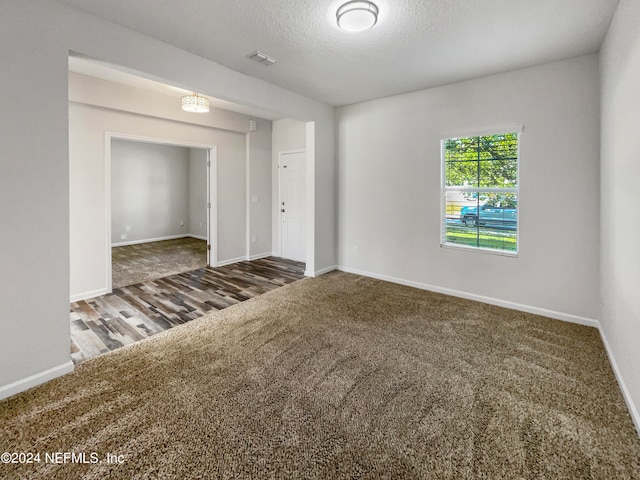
(142, 262)
(337, 377)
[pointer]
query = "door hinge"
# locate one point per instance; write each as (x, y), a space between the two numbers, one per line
(208, 163)
(209, 205)
(209, 247)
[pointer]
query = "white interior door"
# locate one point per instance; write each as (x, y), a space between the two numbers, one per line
(292, 205)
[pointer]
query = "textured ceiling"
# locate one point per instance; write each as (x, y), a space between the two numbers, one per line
(416, 44)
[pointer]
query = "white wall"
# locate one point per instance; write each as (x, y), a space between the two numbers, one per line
(198, 193)
(389, 188)
(259, 193)
(288, 134)
(149, 191)
(620, 171)
(34, 199)
(35, 39)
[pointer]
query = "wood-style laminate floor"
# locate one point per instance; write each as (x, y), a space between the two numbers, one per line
(138, 311)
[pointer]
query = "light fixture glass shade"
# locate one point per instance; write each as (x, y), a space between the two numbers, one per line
(357, 16)
(195, 103)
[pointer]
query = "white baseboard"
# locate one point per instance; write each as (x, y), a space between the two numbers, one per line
(322, 271)
(633, 411)
(83, 296)
(35, 380)
(158, 239)
(230, 261)
(567, 317)
(258, 256)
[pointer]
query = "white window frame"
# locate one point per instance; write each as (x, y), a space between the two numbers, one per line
(519, 129)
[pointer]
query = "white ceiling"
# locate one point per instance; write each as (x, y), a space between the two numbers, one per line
(416, 44)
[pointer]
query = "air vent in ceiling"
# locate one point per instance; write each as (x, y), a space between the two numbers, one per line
(262, 58)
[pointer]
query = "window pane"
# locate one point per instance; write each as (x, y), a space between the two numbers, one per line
(456, 201)
(481, 220)
(461, 149)
(499, 147)
(487, 162)
(498, 173)
(461, 174)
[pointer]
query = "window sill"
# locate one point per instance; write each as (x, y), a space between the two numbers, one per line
(490, 251)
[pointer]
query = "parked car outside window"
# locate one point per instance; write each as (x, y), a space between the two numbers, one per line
(489, 216)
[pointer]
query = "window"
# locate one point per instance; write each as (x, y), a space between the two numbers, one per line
(480, 192)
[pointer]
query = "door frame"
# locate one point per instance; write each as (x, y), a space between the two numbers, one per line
(280, 154)
(212, 192)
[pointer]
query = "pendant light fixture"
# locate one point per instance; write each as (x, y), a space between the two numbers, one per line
(357, 16)
(195, 103)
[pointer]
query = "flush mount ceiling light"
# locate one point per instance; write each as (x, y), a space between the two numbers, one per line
(195, 103)
(357, 16)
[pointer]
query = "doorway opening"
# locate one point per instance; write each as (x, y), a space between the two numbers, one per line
(161, 217)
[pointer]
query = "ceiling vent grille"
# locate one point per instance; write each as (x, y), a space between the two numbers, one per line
(262, 58)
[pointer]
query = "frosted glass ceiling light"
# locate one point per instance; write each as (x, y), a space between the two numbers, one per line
(357, 16)
(195, 103)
